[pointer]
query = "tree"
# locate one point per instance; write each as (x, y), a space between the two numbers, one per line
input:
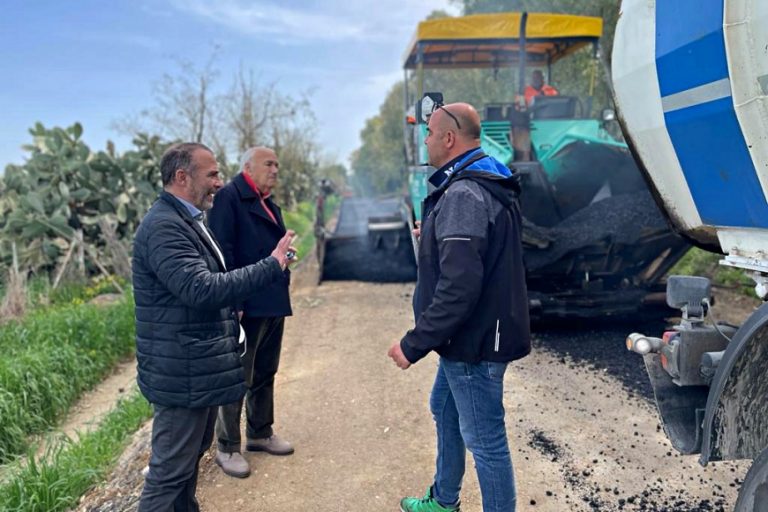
(247, 114)
(256, 115)
(248, 109)
(183, 107)
(67, 200)
(378, 165)
(293, 139)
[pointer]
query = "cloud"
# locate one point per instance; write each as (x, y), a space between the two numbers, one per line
(264, 20)
(330, 21)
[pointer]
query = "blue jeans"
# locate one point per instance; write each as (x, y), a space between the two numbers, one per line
(467, 405)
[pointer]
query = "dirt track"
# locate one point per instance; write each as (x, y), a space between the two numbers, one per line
(582, 438)
(582, 430)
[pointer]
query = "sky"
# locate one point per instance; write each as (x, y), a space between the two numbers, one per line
(97, 61)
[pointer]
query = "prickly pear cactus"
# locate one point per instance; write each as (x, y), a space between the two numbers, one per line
(64, 186)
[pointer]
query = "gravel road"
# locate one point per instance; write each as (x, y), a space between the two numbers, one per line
(583, 432)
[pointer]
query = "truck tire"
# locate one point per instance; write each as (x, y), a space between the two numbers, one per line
(753, 496)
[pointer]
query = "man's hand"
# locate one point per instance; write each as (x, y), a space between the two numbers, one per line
(417, 229)
(396, 353)
(281, 251)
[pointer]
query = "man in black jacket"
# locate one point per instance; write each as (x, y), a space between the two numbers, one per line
(470, 306)
(186, 326)
(247, 223)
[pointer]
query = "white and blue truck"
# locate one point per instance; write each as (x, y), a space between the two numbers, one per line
(690, 81)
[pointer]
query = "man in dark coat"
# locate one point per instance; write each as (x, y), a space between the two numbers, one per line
(247, 223)
(186, 325)
(470, 306)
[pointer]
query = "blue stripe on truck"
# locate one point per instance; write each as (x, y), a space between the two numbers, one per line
(692, 53)
(693, 76)
(717, 166)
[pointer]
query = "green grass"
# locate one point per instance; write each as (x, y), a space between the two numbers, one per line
(302, 221)
(50, 358)
(43, 295)
(698, 262)
(69, 468)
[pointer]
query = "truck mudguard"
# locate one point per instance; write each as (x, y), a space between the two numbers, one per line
(736, 418)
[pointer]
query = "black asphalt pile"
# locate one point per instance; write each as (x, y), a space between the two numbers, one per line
(584, 491)
(620, 219)
(353, 252)
(600, 350)
(541, 443)
(602, 347)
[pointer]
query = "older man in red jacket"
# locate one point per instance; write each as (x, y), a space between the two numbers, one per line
(246, 221)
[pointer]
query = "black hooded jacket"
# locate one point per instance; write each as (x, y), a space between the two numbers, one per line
(471, 302)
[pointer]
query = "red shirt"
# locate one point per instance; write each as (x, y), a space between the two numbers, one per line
(252, 184)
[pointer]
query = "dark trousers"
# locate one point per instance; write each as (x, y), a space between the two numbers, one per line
(180, 437)
(263, 339)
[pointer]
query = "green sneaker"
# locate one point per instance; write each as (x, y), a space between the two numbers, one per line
(426, 504)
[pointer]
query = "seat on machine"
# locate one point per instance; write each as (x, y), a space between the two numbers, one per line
(555, 107)
(495, 112)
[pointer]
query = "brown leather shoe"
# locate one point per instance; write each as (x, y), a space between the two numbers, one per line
(272, 445)
(233, 464)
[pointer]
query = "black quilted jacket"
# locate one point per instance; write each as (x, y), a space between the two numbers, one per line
(186, 327)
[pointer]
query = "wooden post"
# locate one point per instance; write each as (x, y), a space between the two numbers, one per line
(63, 266)
(103, 269)
(15, 259)
(80, 252)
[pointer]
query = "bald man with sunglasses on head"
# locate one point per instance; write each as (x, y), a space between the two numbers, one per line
(470, 307)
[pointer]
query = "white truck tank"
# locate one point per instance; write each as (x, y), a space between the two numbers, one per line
(690, 83)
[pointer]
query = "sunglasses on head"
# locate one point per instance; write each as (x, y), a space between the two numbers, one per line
(440, 106)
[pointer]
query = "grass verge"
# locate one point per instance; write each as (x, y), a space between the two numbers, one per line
(302, 221)
(50, 358)
(69, 468)
(698, 262)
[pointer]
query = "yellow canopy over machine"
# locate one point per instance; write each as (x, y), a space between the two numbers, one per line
(499, 39)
